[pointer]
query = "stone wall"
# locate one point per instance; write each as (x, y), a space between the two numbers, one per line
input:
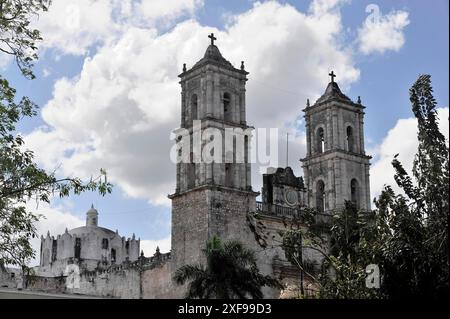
(115, 282)
(157, 283)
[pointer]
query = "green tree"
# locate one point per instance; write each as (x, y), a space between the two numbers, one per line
(230, 272)
(406, 236)
(21, 180)
(17, 38)
(415, 224)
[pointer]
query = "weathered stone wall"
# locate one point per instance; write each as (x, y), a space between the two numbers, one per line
(9, 277)
(157, 283)
(116, 282)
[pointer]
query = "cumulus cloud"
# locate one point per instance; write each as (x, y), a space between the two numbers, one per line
(380, 33)
(119, 111)
(401, 139)
(74, 26)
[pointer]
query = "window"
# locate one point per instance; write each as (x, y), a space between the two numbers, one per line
(194, 107)
(227, 114)
(320, 140)
(113, 255)
(349, 139)
(77, 248)
(54, 249)
(354, 191)
(105, 243)
(320, 196)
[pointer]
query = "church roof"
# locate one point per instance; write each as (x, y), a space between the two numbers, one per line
(213, 55)
(332, 92)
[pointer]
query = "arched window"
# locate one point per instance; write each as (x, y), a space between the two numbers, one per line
(320, 196)
(105, 243)
(227, 114)
(77, 248)
(354, 192)
(349, 139)
(320, 140)
(194, 107)
(113, 255)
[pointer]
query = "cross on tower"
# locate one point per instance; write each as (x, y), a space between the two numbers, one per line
(332, 76)
(211, 36)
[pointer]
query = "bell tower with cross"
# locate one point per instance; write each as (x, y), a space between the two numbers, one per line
(211, 198)
(336, 167)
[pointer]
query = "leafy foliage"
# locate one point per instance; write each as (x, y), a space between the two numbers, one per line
(21, 180)
(406, 236)
(17, 37)
(230, 272)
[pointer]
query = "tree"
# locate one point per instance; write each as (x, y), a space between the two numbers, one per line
(17, 38)
(415, 224)
(21, 180)
(406, 236)
(230, 272)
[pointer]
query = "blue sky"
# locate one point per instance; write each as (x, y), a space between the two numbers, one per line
(381, 76)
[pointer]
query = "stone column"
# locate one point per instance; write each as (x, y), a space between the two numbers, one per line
(361, 132)
(335, 129)
(209, 93)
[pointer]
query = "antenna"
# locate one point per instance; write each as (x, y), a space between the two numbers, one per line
(287, 149)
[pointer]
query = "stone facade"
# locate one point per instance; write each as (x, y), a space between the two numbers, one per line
(336, 167)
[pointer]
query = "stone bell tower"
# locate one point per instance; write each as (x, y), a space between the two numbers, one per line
(336, 167)
(211, 197)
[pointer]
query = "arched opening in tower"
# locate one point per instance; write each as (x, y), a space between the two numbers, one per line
(320, 140)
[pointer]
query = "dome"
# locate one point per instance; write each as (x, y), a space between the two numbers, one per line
(84, 230)
(92, 210)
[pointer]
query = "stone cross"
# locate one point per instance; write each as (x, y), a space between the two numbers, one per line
(211, 36)
(332, 76)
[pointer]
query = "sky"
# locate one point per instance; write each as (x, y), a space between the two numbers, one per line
(107, 87)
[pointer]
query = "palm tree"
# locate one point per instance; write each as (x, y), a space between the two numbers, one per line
(230, 272)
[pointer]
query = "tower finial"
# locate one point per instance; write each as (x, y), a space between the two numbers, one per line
(307, 103)
(92, 205)
(242, 66)
(332, 76)
(359, 99)
(212, 37)
(184, 67)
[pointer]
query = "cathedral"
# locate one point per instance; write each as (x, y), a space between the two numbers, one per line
(215, 198)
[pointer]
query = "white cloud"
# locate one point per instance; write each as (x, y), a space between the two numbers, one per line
(380, 33)
(157, 9)
(74, 27)
(118, 112)
(149, 246)
(402, 140)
